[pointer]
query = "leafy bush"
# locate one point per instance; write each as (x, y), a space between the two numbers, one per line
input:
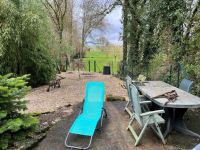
(12, 122)
(25, 40)
(191, 58)
(41, 68)
(158, 66)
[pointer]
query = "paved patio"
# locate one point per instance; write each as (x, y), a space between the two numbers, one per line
(114, 135)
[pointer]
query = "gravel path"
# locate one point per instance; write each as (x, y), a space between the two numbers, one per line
(71, 92)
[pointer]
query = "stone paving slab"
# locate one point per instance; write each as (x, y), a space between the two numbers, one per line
(112, 137)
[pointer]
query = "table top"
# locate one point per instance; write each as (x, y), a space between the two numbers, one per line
(154, 88)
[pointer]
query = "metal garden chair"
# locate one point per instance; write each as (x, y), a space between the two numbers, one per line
(145, 107)
(185, 85)
(150, 118)
(128, 81)
(92, 112)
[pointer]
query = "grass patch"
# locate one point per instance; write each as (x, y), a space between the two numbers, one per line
(107, 57)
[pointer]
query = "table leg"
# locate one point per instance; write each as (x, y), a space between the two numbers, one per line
(170, 121)
(180, 125)
(175, 122)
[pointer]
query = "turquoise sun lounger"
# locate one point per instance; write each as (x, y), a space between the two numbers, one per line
(92, 112)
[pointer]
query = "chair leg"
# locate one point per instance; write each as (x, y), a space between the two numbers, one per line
(155, 130)
(131, 128)
(127, 110)
(142, 132)
(159, 131)
(105, 113)
(161, 135)
(127, 104)
(102, 116)
(131, 121)
(76, 147)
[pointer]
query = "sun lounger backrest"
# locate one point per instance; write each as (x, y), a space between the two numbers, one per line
(94, 97)
(136, 103)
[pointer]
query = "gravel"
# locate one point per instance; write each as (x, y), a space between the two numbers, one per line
(72, 91)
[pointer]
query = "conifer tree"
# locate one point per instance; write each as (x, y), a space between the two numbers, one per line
(14, 124)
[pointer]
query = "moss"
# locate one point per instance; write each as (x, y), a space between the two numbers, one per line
(114, 98)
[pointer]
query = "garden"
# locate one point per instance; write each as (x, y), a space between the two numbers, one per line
(52, 51)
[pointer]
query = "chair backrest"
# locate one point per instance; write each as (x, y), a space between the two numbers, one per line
(94, 97)
(136, 103)
(128, 81)
(185, 85)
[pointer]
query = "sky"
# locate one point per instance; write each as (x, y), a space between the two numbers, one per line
(113, 27)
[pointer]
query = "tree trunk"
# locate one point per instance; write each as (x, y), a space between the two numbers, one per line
(125, 22)
(82, 37)
(60, 53)
(71, 23)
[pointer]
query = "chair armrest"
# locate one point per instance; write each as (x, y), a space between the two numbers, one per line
(152, 112)
(145, 102)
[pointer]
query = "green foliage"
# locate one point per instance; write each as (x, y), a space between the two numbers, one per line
(157, 66)
(3, 114)
(159, 34)
(102, 58)
(12, 92)
(4, 141)
(24, 40)
(191, 59)
(97, 54)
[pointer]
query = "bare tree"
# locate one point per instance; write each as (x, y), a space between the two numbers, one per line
(71, 21)
(57, 11)
(63, 16)
(93, 13)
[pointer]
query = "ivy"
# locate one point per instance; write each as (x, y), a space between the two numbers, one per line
(153, 29)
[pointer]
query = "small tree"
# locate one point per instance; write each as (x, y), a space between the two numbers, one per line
(14, 124)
